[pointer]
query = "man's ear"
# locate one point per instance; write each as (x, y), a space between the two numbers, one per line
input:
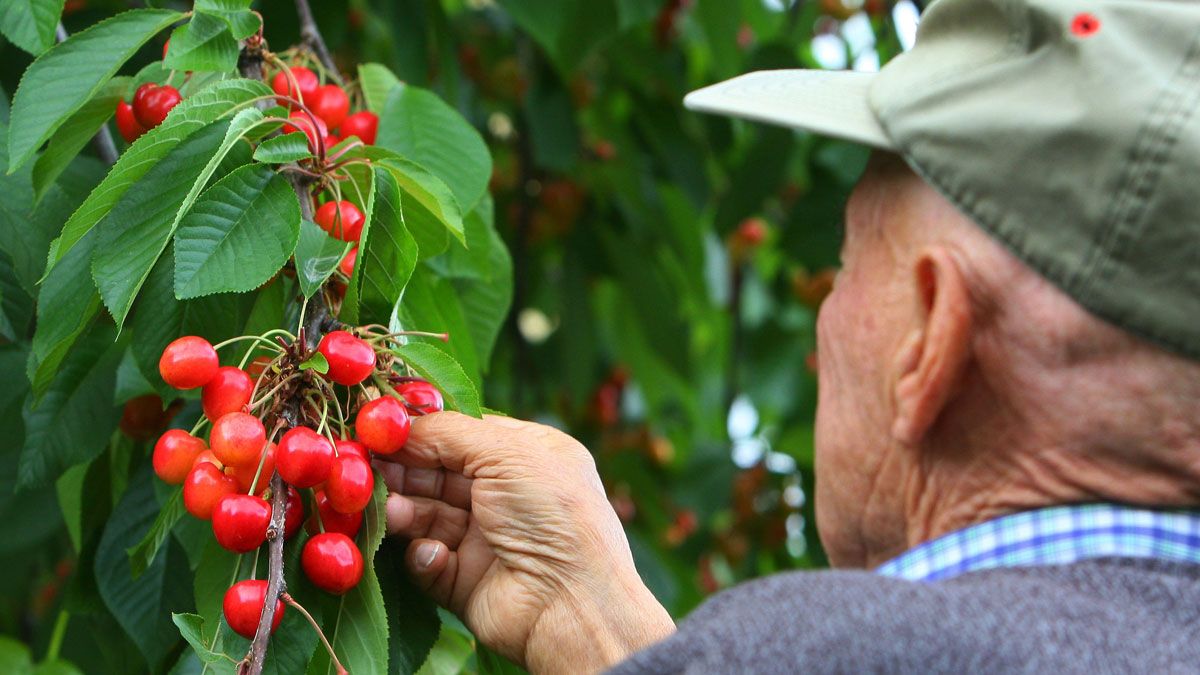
(934, 356)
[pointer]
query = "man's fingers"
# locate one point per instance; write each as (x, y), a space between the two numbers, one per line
(420, 518)
(450, 440)
(452, 488)
(433, 567)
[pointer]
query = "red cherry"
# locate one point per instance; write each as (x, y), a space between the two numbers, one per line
(342, 220)
(152, 102)
(306, 80)
(351, 360)
(243, 607)
(300, 121)
(174, 454)
(331, 104)
(421, 397)
(245, 473)
(143, 417)
(347, 264)
(752, 232)
(127, 124)
(258, 366)
(362, 124)
(293, 517)
(304, 457)
(382, 425)
(238, 439)
(330, 141)
(346, 446)
(228, 391)
(240, 522)
(350, 484)
(188, 362)
(332, 562)
(204, 487)
(345, 523)
(166, 46)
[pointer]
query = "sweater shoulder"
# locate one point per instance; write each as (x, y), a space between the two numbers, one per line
(993, 621)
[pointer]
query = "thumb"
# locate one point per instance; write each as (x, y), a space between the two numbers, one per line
(453, 441)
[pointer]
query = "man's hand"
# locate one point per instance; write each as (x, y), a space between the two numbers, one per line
(511, 531)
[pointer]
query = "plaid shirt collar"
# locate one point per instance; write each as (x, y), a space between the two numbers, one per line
(1053, 536)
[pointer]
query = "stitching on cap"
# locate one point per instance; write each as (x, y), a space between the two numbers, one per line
(1156, 140)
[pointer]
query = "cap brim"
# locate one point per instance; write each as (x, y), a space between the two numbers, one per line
(830, 103)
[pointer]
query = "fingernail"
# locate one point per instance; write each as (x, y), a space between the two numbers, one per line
(425, 555)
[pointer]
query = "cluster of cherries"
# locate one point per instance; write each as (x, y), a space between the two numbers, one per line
(151, 103)
(227, 479)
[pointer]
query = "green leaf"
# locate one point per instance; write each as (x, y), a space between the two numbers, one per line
(29, 24)
(571, 31)
(291, 147)
(413, 620)
(73, 421)
(359, 628)
(136, 231)
(362, 180)
(158, 318)
(422, 186)
(377, 82)
(75, 134)
(316, 362)
(431, 304)
(191, 627)
(238, 235)
(191, 115)
(445, 373)
(142, 606)
(60, 81)
(144, 552)
(14, 656)
(420, 126)
(205, 43)
(242, 21)
(66, 307)
(388, 256)
(57, 667)
(317, 256)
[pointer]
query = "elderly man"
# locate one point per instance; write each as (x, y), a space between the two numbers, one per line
(1008, 434)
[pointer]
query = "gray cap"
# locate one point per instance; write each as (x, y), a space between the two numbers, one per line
(1066, 129)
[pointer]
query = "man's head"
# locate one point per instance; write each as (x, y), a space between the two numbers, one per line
(958, 384)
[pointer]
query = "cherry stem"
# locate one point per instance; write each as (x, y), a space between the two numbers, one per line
(265, 397)
(286, 597)
(391, 337)
(262, 456)
(356, 144)
(259, 338)
(199, 425)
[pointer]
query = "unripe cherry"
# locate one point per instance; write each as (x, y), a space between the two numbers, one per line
(293, 517)
(332, 562)
(350, 484)
(174, 454)
(382, 425)
(331, 104)
(228, 391)
(245, 473)
(240, 522)
(188, 362)
(351, 359)
(306, 80)
(127, 124)
(341, 219)
(238, 439)
(344, 523)
(204, 487)
(362, 124)
(243, 606)
(421, 397)
(304, 457)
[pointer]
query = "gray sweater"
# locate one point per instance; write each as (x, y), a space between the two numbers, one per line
(1112, 615)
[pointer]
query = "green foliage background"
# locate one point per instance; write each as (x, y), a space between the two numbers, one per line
(639, 322)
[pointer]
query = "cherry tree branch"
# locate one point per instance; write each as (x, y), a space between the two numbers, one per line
(310, 36)
(256, 656)
(103, 142)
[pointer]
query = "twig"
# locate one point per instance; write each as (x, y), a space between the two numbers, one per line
(255, 657)
(310, 36)
(300, 608)
(103, 142)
